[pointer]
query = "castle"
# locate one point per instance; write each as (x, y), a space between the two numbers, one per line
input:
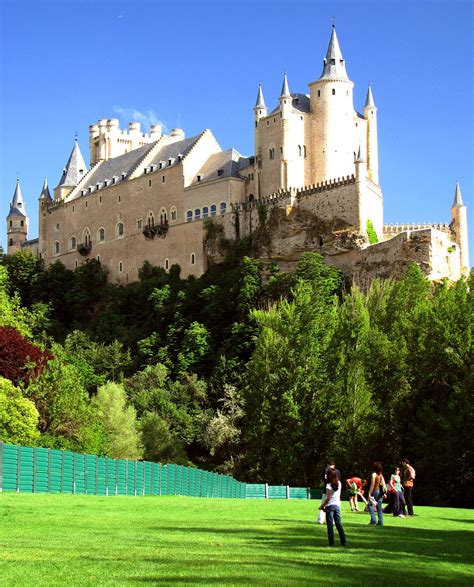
(311, 185)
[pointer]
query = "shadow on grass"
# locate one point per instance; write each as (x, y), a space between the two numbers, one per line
(403, 553)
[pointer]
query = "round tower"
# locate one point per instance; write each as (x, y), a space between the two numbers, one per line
(285, 147)
(259, 111)
(370, 114)
(459, 227)
(45, 202)
(332, 109)
(17, 222)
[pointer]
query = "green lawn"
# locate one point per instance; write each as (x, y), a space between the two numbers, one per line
(84, 540)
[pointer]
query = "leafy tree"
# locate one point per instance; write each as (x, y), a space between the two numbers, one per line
(24, 268)
(20, 360)
(159, 443)
(195, 346)
(18, 416)
(119, 421)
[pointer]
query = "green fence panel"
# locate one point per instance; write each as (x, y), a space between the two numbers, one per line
(299, 493)
(101, 476)
(10, 467)
(121, 476)
(68, 472)
(255, 491)
(139, 478)
(25, 481)
(41, 470)
(277, 492)
(80, 474)
(130, 477)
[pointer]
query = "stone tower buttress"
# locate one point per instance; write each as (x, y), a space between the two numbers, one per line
(332, 111)
(459, 226)
(370, 114)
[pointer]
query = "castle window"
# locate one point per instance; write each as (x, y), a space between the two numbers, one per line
(76, 264)
(199, 177)
(57, 225)
(213, 210)
(139, 223)
(86, 204)
(268, 122)
(98, 258)
(256, 124)
(271, 153)
(11, 223)
(86, 236)
(119, 199)
(151, 219)
(73, 208)
(124, 175)
(189, 216)
(223, 208)
(56, 248)
(193, 258)
(101, 235)
(10, 243)
(167, 264)
(163, 216)
(22, 222)
(274, 120)
(174, 214)
(119, 230)
(299, 150)
(162, 179)
(100, 199)
(281, 150)
(72, 243)
(149, 183)
(120, 267)
(220, 172)
(319, 93)
(333, 92)
(197, 214)
(205, 212)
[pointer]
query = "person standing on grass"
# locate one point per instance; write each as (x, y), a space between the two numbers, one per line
(330, 466)
(376, 494)
(395, 486)
(355, 485)
(331, 504)
(408, 483)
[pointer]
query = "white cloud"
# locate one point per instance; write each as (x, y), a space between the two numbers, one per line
(147, 118)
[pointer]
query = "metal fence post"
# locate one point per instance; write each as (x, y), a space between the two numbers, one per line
(287, 492)
(107, 476)
(266, 490)
(49, 470)
(74, 473)
(62, 471)
(96, 475)
(34, 470)
(18, 468)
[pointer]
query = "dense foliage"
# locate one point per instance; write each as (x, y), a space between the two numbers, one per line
(247, 370)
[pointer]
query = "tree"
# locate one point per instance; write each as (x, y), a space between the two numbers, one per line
(159, 443)
(20, 360)
(119, 421)
(24, 268)
(18, 416)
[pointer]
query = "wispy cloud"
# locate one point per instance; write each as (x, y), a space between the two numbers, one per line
(145, 118)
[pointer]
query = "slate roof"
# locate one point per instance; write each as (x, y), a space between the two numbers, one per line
(457, 197)
(75, 168)
(369, 101)
(333, 65)
(260, 103)
(17, 206)
(300, 103)
(221, 165)
(45, 195)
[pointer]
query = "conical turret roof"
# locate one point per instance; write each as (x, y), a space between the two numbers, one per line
(17, 206)
(260, 103)
(75, 168)
(457, 197)
(285, 90)
(45, 195)
(334, 67)
(369, 101)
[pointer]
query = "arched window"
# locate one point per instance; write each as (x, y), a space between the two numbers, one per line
(213, 210)
(101, 235)
(205, 212)
(72, 243)
(197, 214)
(251, 198)
(120, 267)
(56, 248)
(223, 208)
(167, 264)
(333, 92)
(193, 259)
(151, 219)
(163, 216)
(119, 230)
(76, 263)
(271, 153)
(10, 243)
(86, 237)
(189, 216)
(174, 214)
(139, 223)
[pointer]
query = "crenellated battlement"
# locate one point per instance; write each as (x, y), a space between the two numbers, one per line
(393, 229)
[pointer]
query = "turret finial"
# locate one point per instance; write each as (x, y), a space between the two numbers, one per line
(285, 90)
(457, 197)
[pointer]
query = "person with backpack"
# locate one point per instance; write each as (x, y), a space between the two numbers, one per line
(408, 484)
(331, 504)
(377, 491)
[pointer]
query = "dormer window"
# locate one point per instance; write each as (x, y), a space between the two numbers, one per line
(199, 177)
(220, 172)
(124, 175)
(170, 161)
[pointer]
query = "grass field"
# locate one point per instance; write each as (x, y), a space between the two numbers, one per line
(84, 540)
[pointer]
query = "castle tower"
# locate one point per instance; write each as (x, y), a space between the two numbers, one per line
(45, 202)
(17, 222)
(333, 129)
(459, 226)
(72, 174)
(259, 111)
(285, 147)
(370, 114)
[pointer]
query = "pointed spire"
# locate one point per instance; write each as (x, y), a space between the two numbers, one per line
(260, 103)
(457, 197)
(334, 65)
(285, 90)
(45, 195)
(17, 206)
(369, 101)
(75, 168)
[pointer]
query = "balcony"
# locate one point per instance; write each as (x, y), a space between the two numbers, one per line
(153, 230)
(84, 248)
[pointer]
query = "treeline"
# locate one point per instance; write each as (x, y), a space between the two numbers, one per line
(246, 370)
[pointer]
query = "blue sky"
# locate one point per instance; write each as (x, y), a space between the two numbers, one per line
(65, 64)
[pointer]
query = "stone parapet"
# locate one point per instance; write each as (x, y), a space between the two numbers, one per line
(390, 230)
